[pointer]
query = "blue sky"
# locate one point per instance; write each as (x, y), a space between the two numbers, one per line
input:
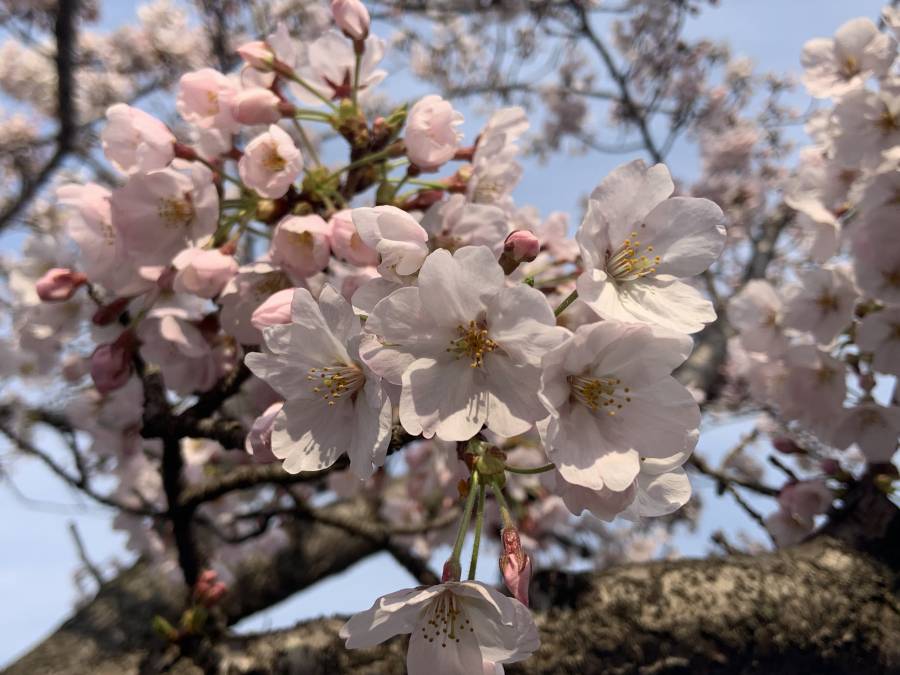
(38, 555)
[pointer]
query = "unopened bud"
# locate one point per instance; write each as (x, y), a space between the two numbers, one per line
(515, 565)
(274, 311)
(451, 572)
(257, 54)
(256, 106)
(111, 363)
(59, 284)
(520, 246)
(786, 446)
(352, 17)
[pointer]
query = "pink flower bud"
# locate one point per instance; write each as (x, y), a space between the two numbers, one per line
(203, 272)
(256, 106)
(517, 575)
(520, 246)
(259, 438)
(257, 54)
(59, 284)
(111, 363)
(451, 571)
(352, 17)
(208, 590)
(274, 311)
(787, 446)
(515, 565)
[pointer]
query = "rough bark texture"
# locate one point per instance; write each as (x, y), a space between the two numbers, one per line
(831, 605)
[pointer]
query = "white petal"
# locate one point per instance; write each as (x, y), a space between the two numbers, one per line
(454, 289)
(670, 303)
(311, 436)
(392, 614)
(688, 234)
(663, 494)
(442, 398)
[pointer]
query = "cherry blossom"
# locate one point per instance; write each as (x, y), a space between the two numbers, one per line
(822, 303)
(271, 162)
(333, 402)
(879, 333)
(159, 213)
(857, 52)
(431, 132)
(135, 141)
(637, 243)
(204, 99)
(399, 240)
(464, 347)
(757, 313)
(203, 272)
(300, 245)
(454, 627)
(346, 242)
(612, 400)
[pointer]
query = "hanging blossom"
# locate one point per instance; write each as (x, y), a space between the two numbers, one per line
(464, 347)
(454, 627)
(637, 243)
(334, 404)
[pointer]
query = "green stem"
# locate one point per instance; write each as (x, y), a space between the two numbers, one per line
(307, 143)
(466, 518)
(312, 115)
(216, 170)
(572, 297)
(531, 469)
(362, 161)
(479, 525)
(312, 90)
(505, 515)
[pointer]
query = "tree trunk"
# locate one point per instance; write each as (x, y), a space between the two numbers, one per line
(830, 605)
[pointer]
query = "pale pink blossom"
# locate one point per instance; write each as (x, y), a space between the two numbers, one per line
(271, 162)
(806, 499)
(136, 141)
(259, 437)
(876, 257)
(612, 401)
(872, 427)
(456, 222)
(464, 347)
(333, 403)
(787, 530)
(857, 52)
(813, 387)
(300, 245)
(868, 125)
(244, 293)
(257, 54)
(879, 334)
(346, 243)
(204, 99)
(495, 169)
(454, 627)
(401, 243)
(103, 258)
(330, 68)
(59, 284)
(161, 212)
(171, 338)
(256, 106)
(431, 132)
(274, 311)
(203, 272)
(637, 243)
(515, 565)
(352, 17)
(822, 303)
(756, 311)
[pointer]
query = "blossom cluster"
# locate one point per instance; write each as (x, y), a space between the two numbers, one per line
(817, 348)
(402, 302)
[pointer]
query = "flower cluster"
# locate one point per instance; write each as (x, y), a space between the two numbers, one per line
(400, 301)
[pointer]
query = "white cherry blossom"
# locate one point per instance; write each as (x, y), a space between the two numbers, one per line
(333, 403)
(637, 243)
